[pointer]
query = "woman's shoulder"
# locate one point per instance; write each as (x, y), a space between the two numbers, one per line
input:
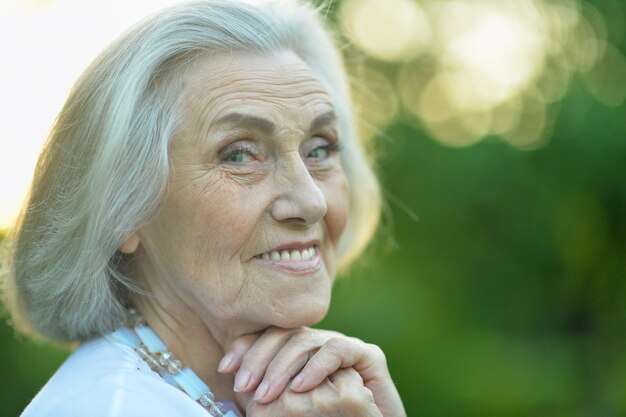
(105, 378)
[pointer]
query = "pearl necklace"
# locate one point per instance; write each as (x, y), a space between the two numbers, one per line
(149, 346)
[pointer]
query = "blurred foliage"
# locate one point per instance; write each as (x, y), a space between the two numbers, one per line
(496, 285)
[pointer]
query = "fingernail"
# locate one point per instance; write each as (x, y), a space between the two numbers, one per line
(225, 362)
(241, 380)
(297, 382)
(262, 391)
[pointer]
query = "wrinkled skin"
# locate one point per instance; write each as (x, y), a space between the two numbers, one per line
(282, 363)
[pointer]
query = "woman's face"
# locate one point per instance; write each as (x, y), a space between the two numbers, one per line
(257, 199)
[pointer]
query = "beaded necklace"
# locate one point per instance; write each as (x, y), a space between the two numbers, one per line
(155, 353)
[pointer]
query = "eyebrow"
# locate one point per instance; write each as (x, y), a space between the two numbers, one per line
(267, 126)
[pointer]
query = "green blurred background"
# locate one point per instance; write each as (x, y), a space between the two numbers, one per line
(496, 285)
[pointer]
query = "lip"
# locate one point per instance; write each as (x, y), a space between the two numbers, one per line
(308, 267)
(294, 246)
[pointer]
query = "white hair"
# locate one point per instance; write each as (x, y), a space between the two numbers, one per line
(104, 169)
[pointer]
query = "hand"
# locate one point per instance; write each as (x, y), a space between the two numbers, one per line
(268, 361)
(342, 394)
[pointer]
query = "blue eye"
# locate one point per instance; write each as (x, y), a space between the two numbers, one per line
(239, 156)
(320, 152)
(240, 153)
(324, 151)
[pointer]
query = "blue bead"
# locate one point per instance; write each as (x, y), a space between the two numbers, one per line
(191, 383)
(149, 338)
(126, 336)
(167, 377)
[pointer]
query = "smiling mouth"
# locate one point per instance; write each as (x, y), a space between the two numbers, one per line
(289, 255)
(294, 261)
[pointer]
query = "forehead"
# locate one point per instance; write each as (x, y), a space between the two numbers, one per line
(259, 83)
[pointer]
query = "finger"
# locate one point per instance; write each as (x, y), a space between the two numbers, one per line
(371, 365)
(346, 377)
(234, 353)
(258, 357)
(353, 394)
(337, 353)
(287, 363)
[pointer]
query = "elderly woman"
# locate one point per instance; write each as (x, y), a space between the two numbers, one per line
(196, 197)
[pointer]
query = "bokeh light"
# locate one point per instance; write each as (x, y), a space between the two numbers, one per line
(391, 30)
(485, 68)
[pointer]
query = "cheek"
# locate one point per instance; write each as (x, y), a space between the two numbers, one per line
(226, 218)
(336, 191)
(209, 223)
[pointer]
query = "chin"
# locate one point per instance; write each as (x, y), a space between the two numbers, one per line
(307, 313)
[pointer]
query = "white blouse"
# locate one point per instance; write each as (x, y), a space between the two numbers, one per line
(103, 378)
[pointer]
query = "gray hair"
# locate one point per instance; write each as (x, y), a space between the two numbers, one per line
(104, 169)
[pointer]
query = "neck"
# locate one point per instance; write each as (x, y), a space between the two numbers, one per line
(193, 334)
(197, 343)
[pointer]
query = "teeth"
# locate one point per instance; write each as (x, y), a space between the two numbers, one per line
(294, 255)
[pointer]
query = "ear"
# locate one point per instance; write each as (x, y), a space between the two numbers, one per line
(131, 244)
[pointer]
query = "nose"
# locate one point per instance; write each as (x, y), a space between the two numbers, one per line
(299, 201)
